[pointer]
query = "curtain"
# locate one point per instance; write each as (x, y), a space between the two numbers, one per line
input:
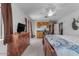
(7, 20)
(0, 30)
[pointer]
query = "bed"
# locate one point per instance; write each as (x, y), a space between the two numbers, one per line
(64, 45)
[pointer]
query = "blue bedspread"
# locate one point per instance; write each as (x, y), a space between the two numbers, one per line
(75, 48)
(58, 42)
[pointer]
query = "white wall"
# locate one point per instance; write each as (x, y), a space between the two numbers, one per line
(18, 16)
(67, 24)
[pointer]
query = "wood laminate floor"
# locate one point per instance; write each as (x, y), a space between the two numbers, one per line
(35, 48)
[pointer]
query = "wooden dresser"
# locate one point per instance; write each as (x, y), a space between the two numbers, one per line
(19, 44)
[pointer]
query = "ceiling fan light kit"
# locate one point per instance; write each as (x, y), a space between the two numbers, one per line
(49, 10)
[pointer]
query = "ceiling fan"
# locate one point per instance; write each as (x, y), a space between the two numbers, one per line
(49, 10)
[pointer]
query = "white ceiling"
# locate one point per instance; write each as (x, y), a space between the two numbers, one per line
(62, 9)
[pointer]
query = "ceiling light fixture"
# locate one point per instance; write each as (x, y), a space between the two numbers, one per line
(49, 10)
(51, 13)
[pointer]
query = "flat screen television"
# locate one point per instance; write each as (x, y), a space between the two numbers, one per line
(20, 27)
